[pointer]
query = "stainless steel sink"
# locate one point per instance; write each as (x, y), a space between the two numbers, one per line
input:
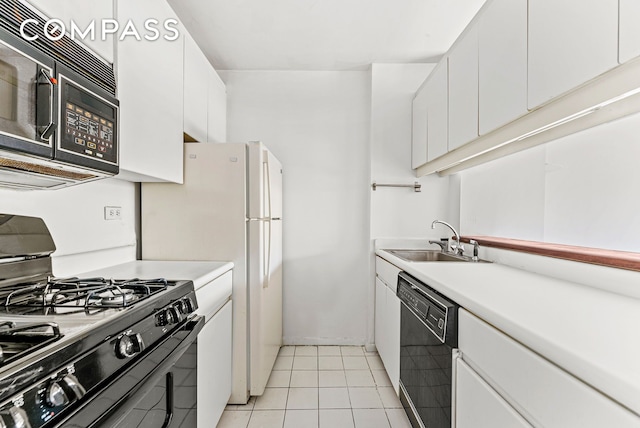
(428, 256)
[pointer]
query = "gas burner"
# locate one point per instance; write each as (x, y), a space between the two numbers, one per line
(69, 295)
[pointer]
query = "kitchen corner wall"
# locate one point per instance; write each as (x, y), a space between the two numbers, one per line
(75, 217)
(400, 213)
(317, 123)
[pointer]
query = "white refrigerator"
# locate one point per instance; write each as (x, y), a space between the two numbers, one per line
(229, 208)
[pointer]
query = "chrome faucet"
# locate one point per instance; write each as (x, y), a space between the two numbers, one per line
(455, 248)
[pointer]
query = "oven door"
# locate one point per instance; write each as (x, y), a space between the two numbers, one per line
(159, 391)
(425, 373)
(26, 99)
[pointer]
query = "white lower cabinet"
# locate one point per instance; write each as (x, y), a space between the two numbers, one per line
(480, 406)
(541, 392)
(214, 367)
(387, 319)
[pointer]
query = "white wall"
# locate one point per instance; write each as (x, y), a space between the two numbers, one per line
(75, 218)
(579, 190)
(317, 124)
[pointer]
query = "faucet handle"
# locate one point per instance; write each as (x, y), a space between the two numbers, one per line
(442, 243)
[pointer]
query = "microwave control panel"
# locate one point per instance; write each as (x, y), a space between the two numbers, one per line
(92, 134)
(88, 124)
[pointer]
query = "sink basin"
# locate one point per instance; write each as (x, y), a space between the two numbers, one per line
(428, 256)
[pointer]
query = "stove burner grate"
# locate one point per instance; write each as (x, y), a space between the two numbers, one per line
(18, 341)
(81, 294)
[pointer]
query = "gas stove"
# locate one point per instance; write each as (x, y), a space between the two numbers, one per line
(65, 341)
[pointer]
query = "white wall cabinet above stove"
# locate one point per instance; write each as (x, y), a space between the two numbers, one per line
(502, 66)
(570, 42)
(151, 93)
(82, 14)
(629, 30)
(205, 97)
(196, 74)
(463, 90)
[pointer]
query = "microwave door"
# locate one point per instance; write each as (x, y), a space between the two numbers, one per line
(26, 103)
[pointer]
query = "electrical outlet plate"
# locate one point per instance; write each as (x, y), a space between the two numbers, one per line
(112, 213)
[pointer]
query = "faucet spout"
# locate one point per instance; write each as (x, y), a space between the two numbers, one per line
(456, 248)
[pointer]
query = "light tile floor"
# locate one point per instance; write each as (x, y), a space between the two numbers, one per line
(322, 387)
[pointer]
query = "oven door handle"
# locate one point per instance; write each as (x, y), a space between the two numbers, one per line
(122, 407)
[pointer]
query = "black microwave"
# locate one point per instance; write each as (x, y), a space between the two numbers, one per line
(58, 110)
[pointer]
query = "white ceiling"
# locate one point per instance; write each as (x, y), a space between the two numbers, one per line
(323, 34)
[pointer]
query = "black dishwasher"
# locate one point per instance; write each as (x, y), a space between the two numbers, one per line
(428, 344)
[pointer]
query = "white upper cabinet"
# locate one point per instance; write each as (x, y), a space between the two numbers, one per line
(150, 90)
(570, 42)
(83, 14)
(196, 76)
(217, 109)
(463, 90)
(629, 29)
(502, 68)
(437, 112)
(419, 129)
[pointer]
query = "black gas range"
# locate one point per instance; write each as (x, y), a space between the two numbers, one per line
(90, 352)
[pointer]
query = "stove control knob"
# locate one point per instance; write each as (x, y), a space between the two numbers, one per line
(16, 417)
(55, 395)
(173, 315)
(188, 305)
(71, 384)
(129, 345)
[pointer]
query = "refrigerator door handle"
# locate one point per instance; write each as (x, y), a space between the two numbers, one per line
(266, 171)
(267, 262)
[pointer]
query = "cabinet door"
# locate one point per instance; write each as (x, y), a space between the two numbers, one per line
(479, 406)
(380, 320)
(196, 77)
(83, 15)
(570, 42)
(217, 109)
(463, 90)
(393, 338)
(437, 112)
(502, 66)
(150, 90)
(629, 29)
(419, 129)
(214, 367)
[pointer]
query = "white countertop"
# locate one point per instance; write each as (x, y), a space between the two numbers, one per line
(200, 273)
(591, 333)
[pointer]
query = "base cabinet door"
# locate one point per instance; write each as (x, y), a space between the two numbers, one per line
(380, 320)
(392, 364)
(478, 405)
(214, 367)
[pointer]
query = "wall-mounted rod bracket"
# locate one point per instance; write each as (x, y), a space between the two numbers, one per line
(417, 187)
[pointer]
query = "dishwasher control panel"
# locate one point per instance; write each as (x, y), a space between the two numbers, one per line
(438, 313)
